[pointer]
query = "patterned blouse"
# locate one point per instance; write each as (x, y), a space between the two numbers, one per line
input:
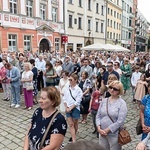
(3, 72)
(39, 125)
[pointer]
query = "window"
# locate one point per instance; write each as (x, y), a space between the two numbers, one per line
(117, 25)
(27, 43)
(70, 21)
(108, 10)
(29, 8)
(111, 12)
(102, 10)
(117, 2)
(79, 23)
(70, 2)
(114, 36)
(96, 26)
(12, 40)
(114, 24)
(108, 23)
(89, 4)
(108, 35)
(57, 41)
(115, 14)
(102, 27)
(117, 36)
(129, 35)
(13, 6)
(80, 3)
(54, 14)
(43, 11)
(97, 8)
(89, 24)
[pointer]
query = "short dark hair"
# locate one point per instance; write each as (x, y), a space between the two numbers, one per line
(32, 61)
(110, 62)
(83, 145)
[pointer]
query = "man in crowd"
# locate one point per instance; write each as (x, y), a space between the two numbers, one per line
(67, 65)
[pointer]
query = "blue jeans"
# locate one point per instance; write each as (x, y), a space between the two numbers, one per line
(75, 114)
(15, 90)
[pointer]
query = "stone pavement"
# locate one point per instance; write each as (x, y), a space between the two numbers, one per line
(14, 124)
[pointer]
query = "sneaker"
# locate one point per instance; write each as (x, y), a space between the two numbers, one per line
(12, 105)
(70, 140)
(17, 106)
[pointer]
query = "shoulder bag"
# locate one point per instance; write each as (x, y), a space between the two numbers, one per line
(81, 106)
(29, 86)
(46, 132)
(123, 135)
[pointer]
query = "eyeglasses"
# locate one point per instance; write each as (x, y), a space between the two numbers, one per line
(108, 66)
(115, 89)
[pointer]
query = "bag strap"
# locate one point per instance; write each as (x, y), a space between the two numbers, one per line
(46, 132)
(107, 111)
(71, 95)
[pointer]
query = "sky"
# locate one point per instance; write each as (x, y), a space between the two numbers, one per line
(144, 7)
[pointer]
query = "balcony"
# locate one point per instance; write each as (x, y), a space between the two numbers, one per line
(131, 15)
(130, 28)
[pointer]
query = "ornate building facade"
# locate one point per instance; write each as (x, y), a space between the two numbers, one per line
(31, 25)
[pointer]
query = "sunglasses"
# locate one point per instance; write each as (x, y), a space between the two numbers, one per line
(115, 89)
(108, 66)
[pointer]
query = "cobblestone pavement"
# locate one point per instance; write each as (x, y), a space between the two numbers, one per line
(14, 124)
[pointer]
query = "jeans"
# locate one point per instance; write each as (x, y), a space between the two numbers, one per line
(15, 90)
(94, 112)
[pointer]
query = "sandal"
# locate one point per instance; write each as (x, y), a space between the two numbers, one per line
(84, 121)
(80, 121)
(29, 108)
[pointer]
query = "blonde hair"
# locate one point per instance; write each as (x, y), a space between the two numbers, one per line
(28, 64)
(112, 77)
(119, 84)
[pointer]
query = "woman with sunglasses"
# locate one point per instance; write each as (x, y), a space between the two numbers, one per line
(117, 68)
(111, 116)
(72, 99)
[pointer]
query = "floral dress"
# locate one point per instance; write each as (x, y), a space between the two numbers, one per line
(146, 102)
(39, 125)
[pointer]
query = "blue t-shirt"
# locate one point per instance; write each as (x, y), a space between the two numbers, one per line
(39, 125)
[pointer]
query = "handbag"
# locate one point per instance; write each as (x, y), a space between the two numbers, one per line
(29, 86)
(123, 135)
(139, 127)
(46, 132)
(81, 106)
(86, 99)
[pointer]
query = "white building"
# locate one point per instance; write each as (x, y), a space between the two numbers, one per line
(84, 22)
(127, 23)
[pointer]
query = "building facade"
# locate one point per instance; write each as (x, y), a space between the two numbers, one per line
(141, 38)
(113, 17)
(31, 25)
(127, 23)
(84, 22)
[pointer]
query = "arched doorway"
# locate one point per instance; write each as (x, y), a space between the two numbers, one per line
(44, 45)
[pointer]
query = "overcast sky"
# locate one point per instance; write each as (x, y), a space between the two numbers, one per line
(144, 7)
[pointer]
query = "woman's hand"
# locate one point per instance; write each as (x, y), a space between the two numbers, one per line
(141, 146)
(145, 128)
(102, 132)
(68, 110)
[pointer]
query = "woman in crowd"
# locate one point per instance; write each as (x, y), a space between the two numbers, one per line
(35, 75)
(5, 83)
(145, 113)
(115, 108)
(50, 74)
(147, 74)
(72, 99)
(117, 68)
(49, 100)
(58, 69)
(27, 80)
(63, 84)
(85, 85)
(126, 73)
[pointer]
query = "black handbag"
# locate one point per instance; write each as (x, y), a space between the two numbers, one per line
(139, 127)
(86, 99)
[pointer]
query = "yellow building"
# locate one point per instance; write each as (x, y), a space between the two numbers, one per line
(114, 17)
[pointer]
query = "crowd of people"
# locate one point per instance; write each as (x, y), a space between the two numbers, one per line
(77, 83)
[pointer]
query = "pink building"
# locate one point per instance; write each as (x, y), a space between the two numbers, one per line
(31, 25)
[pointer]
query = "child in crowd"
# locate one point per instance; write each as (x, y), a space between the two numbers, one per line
(140, 89)
(95, 101)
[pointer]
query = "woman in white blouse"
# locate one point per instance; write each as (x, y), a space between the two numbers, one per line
(27, 79)
(63, 84)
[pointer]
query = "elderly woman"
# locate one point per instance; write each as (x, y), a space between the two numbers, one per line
(27, 79)
(126, 73)
(49, 100)
(85, 85)
(72, 99)
(112, 108)
(4, 81)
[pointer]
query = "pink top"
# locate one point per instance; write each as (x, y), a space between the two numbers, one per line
(3, 77)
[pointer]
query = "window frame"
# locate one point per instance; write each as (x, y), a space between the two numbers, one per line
(43, 11)
(54, 14)
(14, 4)
(12, 40)
(26, 40)
(29, 7)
